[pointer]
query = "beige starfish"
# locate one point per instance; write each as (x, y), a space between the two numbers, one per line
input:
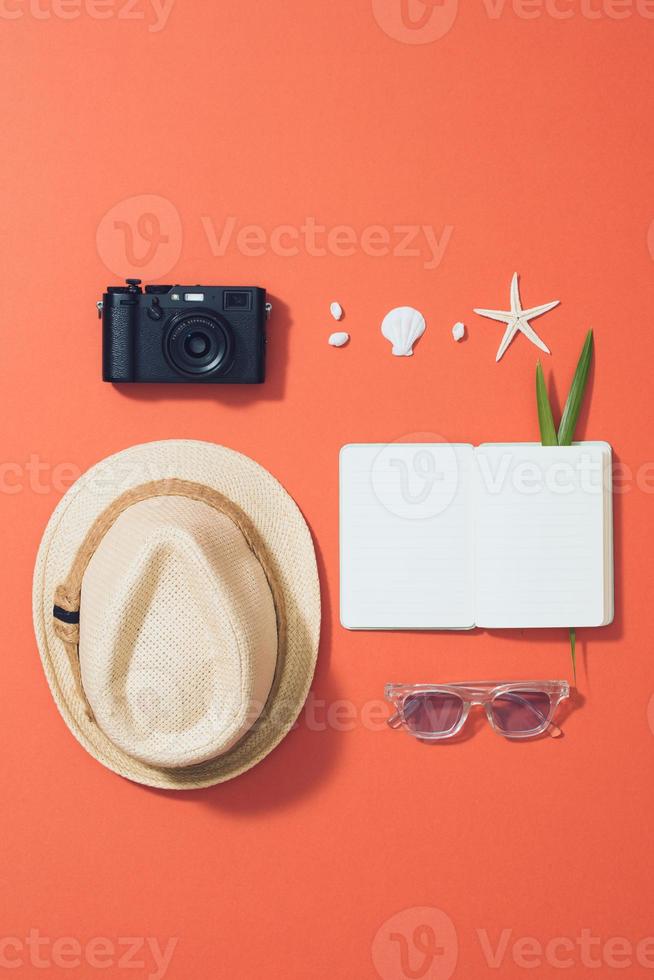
(518, 319)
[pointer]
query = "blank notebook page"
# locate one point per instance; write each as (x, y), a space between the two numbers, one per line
(406, 547)
(540, 515)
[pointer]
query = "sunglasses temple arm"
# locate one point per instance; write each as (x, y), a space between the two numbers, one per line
(395, 721)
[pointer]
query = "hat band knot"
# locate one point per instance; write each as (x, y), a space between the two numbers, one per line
(66, 615)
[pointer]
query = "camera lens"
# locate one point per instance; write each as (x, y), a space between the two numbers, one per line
(196, 345)
(199, 344)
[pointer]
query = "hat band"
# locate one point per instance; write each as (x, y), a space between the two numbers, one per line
(67, 597)
(64, 616)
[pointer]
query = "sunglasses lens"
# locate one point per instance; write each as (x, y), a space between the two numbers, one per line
(432, 713)
(517, 712)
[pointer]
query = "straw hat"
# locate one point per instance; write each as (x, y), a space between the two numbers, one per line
(177, 612)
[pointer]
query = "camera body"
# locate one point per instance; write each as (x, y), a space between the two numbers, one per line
(184, 334)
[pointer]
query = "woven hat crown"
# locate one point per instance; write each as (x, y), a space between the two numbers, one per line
(178, 634)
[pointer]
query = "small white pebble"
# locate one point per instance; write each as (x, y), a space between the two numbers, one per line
(336, 311)
(339, 339)
(458, 331)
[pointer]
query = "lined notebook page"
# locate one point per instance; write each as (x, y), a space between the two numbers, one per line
(405, 527)
(540, 535)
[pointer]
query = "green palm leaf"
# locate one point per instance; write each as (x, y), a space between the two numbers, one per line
(576, 396)
(572, 633)
(548, 434)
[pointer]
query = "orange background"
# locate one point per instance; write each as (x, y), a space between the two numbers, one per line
(530, 137)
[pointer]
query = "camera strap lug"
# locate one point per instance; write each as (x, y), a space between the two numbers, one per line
(99, 306)
(268, 310)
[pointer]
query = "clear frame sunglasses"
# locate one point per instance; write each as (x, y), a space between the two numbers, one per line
(515, 709)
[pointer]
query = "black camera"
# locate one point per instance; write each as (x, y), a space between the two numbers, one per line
(201, 334)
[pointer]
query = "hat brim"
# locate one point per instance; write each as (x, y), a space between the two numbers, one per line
(286, 535)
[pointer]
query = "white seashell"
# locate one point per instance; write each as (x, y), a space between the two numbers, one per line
(458, 331)
(402, 327)
(339, 339)
(336, 311)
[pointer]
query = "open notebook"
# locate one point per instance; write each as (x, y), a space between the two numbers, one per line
(441, 536)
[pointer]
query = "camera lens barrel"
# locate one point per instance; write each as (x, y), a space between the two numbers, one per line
(199, 344)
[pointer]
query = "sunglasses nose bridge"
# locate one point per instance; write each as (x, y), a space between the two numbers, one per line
(473, 701)
(474, 698)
